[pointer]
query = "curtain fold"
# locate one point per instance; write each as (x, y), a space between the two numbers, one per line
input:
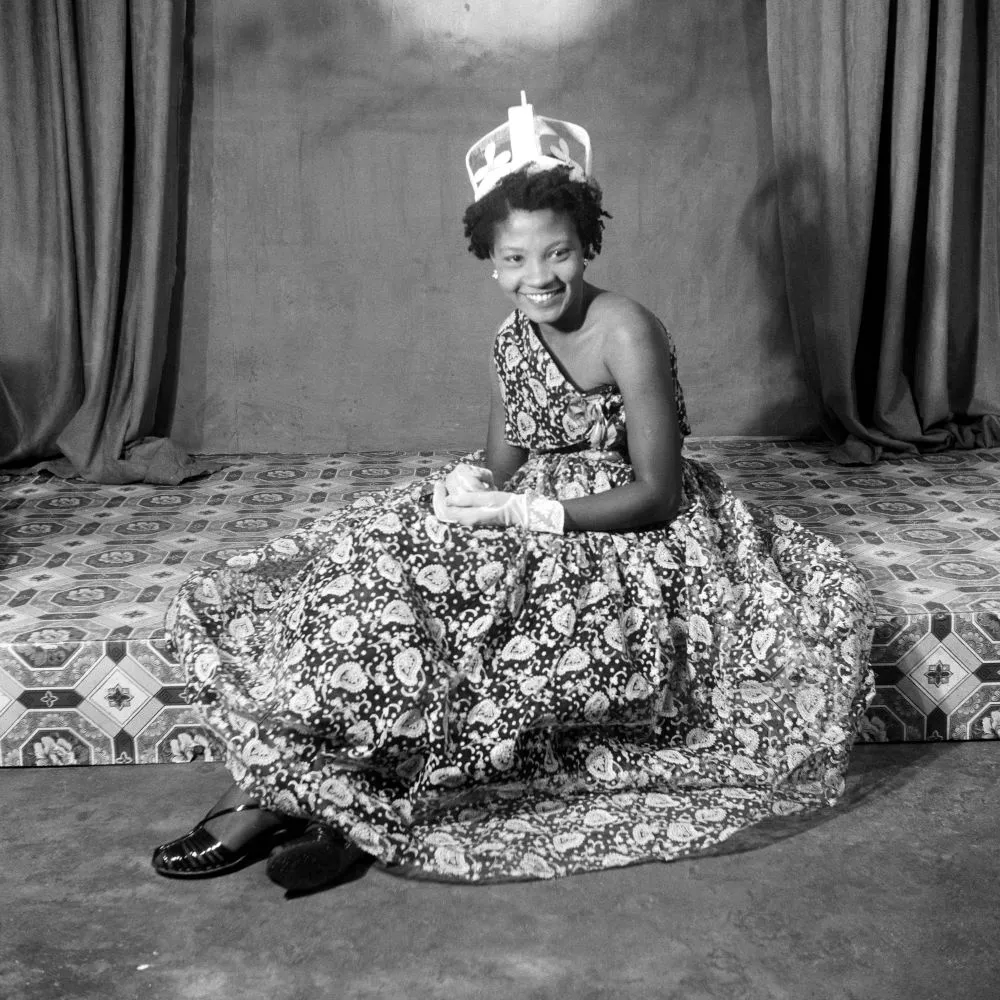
(89, 101)
(885, 135)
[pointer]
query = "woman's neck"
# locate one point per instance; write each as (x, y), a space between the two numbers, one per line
(577, 320)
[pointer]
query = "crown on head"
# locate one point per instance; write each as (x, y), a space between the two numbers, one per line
(527, 139)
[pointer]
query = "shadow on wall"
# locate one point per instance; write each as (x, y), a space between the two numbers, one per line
(760, 234)
(831, 313)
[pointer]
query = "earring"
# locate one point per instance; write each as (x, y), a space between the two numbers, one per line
(495, 275)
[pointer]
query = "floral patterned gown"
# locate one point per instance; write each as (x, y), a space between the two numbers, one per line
(491, 703)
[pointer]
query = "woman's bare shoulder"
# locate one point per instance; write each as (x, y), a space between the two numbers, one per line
(623, 318)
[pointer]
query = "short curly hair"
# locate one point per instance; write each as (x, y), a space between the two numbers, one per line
(531, 192)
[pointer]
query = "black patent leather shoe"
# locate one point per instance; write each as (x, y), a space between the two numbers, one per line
(321, 856)
(199, 854)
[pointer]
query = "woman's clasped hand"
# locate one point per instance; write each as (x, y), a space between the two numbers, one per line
(466, 497)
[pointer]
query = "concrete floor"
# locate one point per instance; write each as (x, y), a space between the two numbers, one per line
(894, 894)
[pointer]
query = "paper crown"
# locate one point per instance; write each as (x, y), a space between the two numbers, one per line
(527, 139)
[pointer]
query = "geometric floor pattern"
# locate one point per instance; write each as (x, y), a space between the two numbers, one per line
(86, 571)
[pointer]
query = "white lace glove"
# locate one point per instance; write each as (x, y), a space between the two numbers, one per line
(494, 508)
(465, 478)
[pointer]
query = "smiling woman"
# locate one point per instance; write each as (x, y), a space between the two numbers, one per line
(574, 650)
(540, 262)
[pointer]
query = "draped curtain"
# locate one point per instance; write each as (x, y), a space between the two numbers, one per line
(886, 120)
(89, 100)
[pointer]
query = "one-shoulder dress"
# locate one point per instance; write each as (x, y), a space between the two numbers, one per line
(494, 703)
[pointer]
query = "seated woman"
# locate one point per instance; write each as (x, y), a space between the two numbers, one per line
(574, 651)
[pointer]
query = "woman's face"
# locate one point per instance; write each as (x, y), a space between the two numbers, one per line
(539, 261)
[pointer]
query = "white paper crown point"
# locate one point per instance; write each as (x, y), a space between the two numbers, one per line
(527, 139)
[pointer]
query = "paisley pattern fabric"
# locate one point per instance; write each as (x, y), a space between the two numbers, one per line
(490, 703)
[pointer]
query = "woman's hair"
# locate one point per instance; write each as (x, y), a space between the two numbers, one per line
(533, 192)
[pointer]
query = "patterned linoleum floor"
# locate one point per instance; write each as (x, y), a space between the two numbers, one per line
(86, 570)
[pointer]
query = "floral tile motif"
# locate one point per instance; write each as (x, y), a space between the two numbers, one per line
(86, 570)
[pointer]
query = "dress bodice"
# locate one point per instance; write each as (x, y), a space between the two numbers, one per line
(546, 410)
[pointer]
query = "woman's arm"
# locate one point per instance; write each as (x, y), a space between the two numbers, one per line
(637, 356)
(502, 459)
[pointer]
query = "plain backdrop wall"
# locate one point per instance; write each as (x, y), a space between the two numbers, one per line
(329, 303)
